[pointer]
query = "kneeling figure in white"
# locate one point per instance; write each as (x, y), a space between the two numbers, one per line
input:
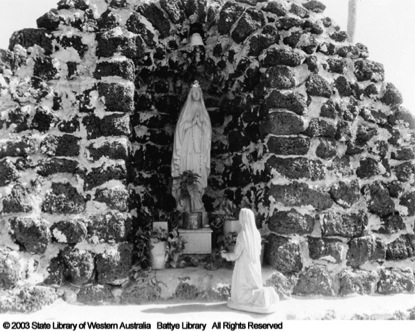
(247, 291)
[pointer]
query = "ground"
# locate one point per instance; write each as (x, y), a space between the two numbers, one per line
(291, 313)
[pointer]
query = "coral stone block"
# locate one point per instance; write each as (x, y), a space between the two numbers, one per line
(283, 255)
(31, 234)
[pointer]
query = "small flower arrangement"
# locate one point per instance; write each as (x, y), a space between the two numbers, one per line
(229, 209)
(174, 248)
(187, 178)
(158, 235)
(227, 242)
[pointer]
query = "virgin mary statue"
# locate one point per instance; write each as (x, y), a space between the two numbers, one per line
(191, 149)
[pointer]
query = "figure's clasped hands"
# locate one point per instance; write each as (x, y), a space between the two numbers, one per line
(223, 253)
(196, 121)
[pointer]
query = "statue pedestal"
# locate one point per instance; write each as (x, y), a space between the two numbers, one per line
(198, 241)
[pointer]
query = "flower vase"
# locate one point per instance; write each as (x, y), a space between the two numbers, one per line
(192, 220)
(158, 255)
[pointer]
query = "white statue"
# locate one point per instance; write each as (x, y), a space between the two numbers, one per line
(247, 291)
(191, 150)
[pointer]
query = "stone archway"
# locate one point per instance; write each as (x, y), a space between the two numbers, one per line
(303, 118)
(230, 77)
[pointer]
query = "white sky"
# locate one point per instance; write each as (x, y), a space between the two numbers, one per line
(386, 27)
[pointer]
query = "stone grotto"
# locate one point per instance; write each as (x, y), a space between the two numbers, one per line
(305, 132)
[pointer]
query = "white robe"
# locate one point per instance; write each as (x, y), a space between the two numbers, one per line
(247, 289)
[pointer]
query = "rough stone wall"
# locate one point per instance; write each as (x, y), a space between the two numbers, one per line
(305, 131)
(66, 103)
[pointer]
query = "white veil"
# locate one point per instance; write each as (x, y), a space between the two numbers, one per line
(250, 234)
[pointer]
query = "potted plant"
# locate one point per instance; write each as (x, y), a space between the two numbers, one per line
(264, 241)
(158, 245)
(187, 180)
(228, 241)
(265, 232)
(174, 248)
(231, 223)
(142, 254)
(225, 243)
